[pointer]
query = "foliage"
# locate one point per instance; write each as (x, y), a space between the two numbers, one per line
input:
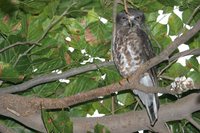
(28, 21)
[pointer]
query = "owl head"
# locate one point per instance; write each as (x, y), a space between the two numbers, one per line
(132, 18)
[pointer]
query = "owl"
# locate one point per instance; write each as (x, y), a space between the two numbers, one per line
(132, 48)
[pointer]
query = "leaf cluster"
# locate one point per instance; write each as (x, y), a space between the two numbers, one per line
(28, 20)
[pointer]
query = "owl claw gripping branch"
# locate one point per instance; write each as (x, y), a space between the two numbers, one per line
(132, 48)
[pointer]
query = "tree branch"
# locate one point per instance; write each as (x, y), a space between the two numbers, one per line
(40, 79)
(126, 122)
(193, 122)
(184, 53)
(34, 104)
(138, 120)
(18, 43)
(178, 55)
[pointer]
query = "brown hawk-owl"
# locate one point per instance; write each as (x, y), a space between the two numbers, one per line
(132, 48)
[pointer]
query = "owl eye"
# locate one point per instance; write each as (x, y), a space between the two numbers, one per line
(123, 17)
(138, 18)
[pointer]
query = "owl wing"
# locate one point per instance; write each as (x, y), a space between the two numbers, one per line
(148, 53)
(150, 100)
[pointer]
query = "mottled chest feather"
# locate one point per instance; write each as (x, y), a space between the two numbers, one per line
(127, 51)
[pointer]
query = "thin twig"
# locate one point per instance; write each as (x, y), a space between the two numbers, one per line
(114, 21)
(55, 22)
(194, 12)
(184, 53)
(136, 105)
(170, 63)
(193, 122)
(18, 43)
(166, 77)
(178, 55)
(113, 105)
(125, 7)
(190, 19)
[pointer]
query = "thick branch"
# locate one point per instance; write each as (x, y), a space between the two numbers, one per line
(31, 105)
(193, 122)
(126, 122)
(138, 120)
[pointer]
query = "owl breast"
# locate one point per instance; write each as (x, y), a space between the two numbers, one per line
(127, 51)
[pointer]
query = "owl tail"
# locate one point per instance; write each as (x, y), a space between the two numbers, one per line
(151, 104)
(150, 100)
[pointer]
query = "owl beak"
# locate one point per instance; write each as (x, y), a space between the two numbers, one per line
(132, 21)
(131, 18)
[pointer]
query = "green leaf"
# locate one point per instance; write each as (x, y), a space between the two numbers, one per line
(73, 26)
(151, 5)
(57, 122)
(101, 31)
(195, 76)
(195, 42)
(4, 28)
(99, 50)
(81, 111)
(112, 75)
(9, 74)
(35, 30)
(176, 70)
(50, 90)
(92, 16)
(151, 17)
(163, 40)
(186, 15)
(168, 2)
(50, 9)
(34, 7)
(175, 24)
(15, 126)
(80, 84)
(105, 106)
(100, 129)
(159, 29)
(126, 98)
(193, 63)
